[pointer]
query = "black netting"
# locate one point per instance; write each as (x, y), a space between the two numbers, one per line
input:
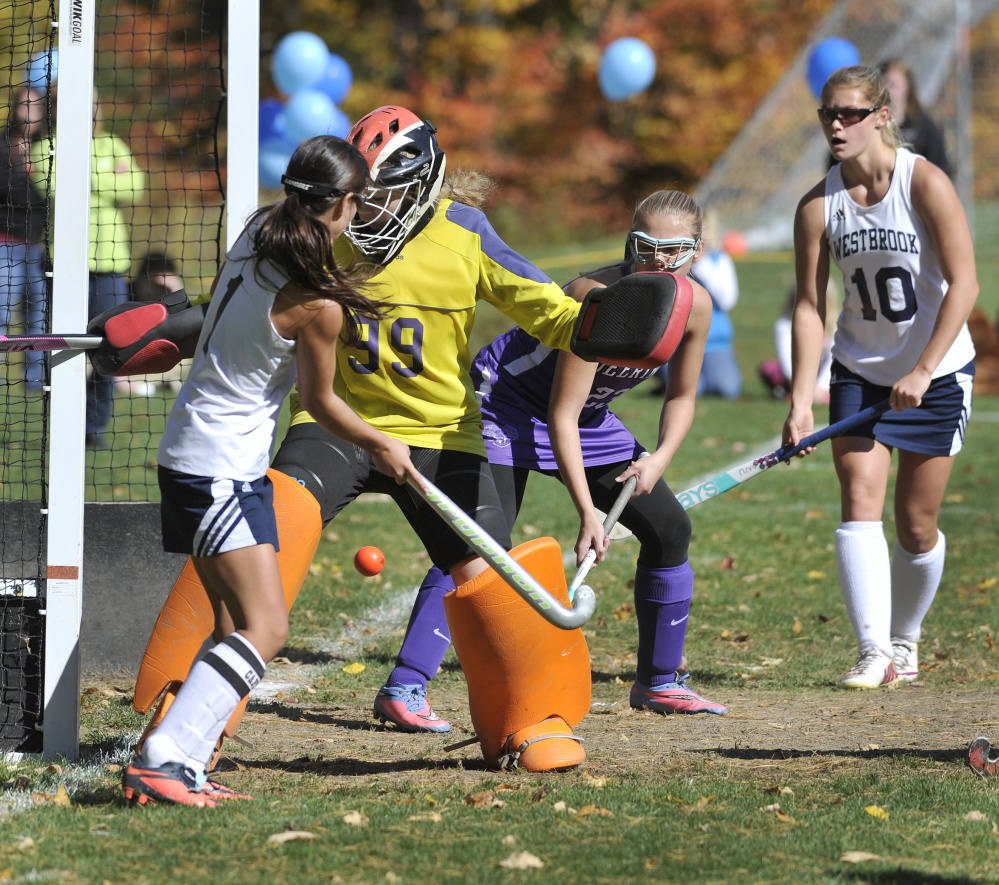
(158, 193)
(26, 41)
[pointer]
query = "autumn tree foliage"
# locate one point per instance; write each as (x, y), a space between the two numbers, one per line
(512, 85)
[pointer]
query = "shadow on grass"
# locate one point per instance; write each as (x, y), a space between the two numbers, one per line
(301, 714)
(344, 766)
(957, 755)
(905, 876)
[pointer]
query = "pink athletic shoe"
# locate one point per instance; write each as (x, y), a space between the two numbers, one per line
(407, 707)
(673, 697)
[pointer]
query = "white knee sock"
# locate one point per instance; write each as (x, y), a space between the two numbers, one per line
(865, 578)
(914, 581)
(206, 700)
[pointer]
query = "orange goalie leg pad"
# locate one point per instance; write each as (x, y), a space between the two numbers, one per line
(187, 619)
(528, 680)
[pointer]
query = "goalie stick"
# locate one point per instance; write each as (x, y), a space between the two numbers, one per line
(24, 343)
(505, 565)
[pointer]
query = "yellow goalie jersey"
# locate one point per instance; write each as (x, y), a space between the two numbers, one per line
(409, 375)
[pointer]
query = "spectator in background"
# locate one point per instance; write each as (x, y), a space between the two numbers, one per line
(776, 373)
(158, 275)
(715, 271)
(918, 130)
(116, 182)
(22, 208)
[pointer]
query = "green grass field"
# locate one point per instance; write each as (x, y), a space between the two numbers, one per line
(767, 626)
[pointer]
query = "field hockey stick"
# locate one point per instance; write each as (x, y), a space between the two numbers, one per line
(505, 565)
(23, 343)
(612, 517)
(729, 479)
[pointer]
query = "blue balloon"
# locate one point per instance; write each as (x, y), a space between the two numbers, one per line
(340, 125)
(38, 70)
(274, 156)
(828, 56)
(628, 66)
(308, 113)
(337, 80)
(300, 61)
(271, 119)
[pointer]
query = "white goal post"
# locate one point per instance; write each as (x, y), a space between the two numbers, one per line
(63, 608)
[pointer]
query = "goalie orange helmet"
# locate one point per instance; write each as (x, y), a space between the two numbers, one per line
(407, 171)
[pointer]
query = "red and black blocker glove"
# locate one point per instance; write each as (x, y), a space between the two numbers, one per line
(146, 337)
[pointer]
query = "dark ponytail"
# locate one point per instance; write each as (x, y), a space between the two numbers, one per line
(291, 235)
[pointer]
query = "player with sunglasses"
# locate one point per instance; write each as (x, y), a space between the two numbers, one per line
(893, 224)
(549, 412)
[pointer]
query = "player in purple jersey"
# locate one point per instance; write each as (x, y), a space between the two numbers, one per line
(548, 412)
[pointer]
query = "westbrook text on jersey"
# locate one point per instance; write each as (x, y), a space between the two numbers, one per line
(876, 239)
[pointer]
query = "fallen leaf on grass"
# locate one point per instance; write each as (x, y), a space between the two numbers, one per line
(876, 811)
(784, 817)
(522, 860)
(61, 798)
(433, 817)
(355, 819)
(592, 810)
(592, 781)
(623, 612)
(700, 805)
(354, 668)
(484, 799)
(774, 807)
(859, 857)
(291, 836)
(976, 815)
(561, 806)
(26, 844)
(796, 627)
(988, 583)
(509, 840)
(815, 575)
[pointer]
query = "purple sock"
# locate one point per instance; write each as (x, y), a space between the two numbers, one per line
(662, 603)
(427, 636)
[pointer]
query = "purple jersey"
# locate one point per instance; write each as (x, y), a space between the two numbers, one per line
(513, 383)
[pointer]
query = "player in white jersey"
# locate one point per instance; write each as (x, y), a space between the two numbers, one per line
(280, 305)
(893, 224)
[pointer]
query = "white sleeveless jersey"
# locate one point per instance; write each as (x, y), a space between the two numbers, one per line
(225, 418)
(893, 280)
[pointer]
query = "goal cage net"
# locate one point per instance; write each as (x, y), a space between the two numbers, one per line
(781, 152)
(146, 84)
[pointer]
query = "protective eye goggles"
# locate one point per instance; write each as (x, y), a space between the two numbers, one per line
(846, 116)
(675, 251)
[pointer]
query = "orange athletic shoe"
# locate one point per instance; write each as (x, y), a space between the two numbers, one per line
(221, 793)
(170, 782)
